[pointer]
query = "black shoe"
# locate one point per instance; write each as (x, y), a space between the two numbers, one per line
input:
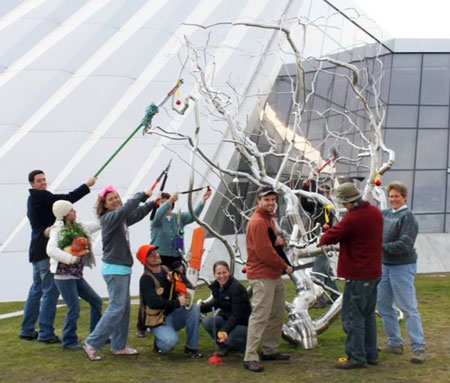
(52, 340)
(30, 337)
(73, 347)
(156, 348)
(192, 353)
(141, 334)
(348, 365)
(253, 366)
(372, 362)
(276, 356)
(223, 351)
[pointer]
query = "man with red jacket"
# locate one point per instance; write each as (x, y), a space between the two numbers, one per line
(264, 269)
(360, 234)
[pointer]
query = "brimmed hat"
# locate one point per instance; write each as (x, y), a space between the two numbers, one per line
(347, 192)
(143, 252)
(265, 190)
(61, 209)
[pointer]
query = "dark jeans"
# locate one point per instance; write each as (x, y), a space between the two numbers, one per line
(358, 320)
(43, 287)
(237, 338)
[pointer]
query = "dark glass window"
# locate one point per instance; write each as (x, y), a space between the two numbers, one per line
(431, 149)
(403, 142)
(429, 191)
(399, 116)
(435, 79)
(405, 79)
(433, 117)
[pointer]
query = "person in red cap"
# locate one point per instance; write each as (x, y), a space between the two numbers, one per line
(163, 309)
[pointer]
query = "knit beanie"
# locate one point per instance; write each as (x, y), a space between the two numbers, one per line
(61, 209)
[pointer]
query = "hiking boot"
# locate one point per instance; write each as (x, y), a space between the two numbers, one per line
(192, 353)
(393, 349)
(253, 366)
(276, 356)
(418, 356)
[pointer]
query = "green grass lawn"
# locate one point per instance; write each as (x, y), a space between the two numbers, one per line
(24, 361)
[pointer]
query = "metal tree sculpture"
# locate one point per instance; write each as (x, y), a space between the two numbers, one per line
(356, 143)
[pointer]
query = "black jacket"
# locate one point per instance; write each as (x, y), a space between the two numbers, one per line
(39, 212)
(234, 304)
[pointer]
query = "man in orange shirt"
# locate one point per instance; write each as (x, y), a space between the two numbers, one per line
(264, 269)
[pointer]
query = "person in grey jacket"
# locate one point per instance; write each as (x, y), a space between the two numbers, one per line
(115, 218)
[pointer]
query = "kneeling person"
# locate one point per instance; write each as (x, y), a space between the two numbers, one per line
(232, 299)
(165, 311)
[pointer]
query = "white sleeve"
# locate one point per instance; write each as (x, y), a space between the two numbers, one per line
(54, 251)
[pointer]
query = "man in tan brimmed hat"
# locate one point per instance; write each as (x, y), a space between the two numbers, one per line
(359, 234)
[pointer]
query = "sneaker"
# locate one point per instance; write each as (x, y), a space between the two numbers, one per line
(52, 340)
(253, 366)
(127, 351)
(192, 353)
(276, 356)
(91, 352)
(418, 356)
(30, 337)
(393, 349)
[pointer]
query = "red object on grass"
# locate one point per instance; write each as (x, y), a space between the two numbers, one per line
(215, 359)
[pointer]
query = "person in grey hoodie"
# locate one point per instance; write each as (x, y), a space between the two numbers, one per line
(115, 218)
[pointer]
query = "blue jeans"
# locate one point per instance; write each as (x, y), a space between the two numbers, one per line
(43, 287)
(358, 320)
(166, 336)
(114, 322)
(70, 290)
(397, 286)
(237, 338)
